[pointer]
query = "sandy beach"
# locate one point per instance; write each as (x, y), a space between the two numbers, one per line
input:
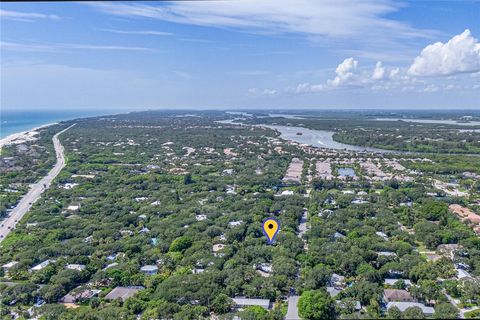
(24, 136)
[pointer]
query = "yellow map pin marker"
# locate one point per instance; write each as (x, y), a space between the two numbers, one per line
(270, 229)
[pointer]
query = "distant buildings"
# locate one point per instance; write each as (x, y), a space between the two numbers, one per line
(324, 170)
(294, 171)
(465, 214)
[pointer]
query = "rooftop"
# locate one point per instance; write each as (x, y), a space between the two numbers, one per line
(402, 306)
(123, 292)
(397, 295)
(245, 302)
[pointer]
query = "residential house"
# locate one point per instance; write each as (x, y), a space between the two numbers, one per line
(337, 281)
(397, 295)
(402, 306)
(123, 293)
(79, 294)
(392, 282)
(333, 292)
(242, 302)
(9, 265)
(78, 267)
(41, 265)
(149, 269)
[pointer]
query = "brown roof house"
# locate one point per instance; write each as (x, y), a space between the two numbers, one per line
(123, 292)
(398, 295)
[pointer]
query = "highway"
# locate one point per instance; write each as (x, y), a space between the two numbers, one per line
(35, 191)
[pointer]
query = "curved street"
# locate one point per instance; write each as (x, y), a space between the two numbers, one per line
(35, 191)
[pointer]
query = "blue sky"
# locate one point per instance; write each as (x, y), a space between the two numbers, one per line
(240, 54)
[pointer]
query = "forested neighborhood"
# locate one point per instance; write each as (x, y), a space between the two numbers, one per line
(158, 215)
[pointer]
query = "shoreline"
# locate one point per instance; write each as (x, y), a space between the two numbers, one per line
(23, 136)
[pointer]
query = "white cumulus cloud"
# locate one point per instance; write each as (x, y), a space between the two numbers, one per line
(378, 72)
(345, 73)
(461, 54)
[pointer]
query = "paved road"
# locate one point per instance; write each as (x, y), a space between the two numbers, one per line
(35, 191)
(292, 311)
(455, 302)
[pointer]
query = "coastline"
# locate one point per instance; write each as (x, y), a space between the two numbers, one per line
(24, 136)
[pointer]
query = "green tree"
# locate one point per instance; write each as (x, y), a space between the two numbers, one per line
(445, 311)
(187, 179)
(254, 313)
(51, 311)
(316, 305)
(317, 277)
(222, 304)
(394, 313)
(134, 305)
(413, 313)
(180, 244)
(189, 312)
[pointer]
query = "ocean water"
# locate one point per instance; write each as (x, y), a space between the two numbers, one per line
(18, 121)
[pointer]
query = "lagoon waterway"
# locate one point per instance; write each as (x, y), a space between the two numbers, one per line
(316, 138)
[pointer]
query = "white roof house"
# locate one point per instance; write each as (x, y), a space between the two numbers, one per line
(149, 269)
(78, 267)
(337, 280)
(241, 302)
(111, 265)
(402, 306)
(235, 223)
(462, 274)
(382, 234)
(9, 265)
(333, 292)
(41, 265)
(392, 282)
(338, 235)
(144, 230)
(265, 267)
(217, 247)
(201, 217)
(386, 253)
